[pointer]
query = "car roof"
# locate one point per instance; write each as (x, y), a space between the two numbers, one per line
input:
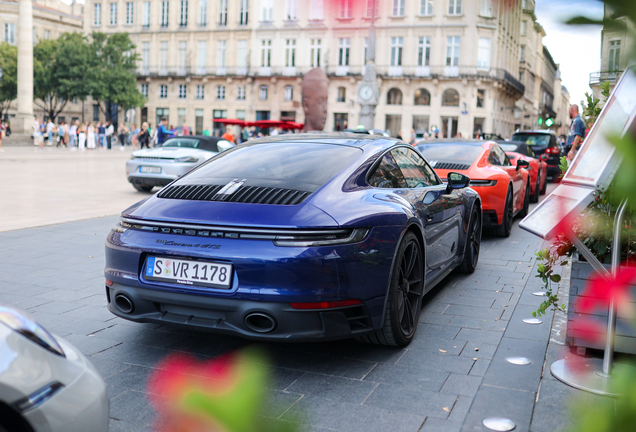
(333, 138)
(208, 143)
(459, 141)
(539, 131)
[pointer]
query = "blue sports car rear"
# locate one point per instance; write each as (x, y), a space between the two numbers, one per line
(296, 238)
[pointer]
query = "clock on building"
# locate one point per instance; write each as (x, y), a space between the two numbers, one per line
(366, 93)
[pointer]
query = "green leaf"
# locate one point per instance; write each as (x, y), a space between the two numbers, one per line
(555, 278)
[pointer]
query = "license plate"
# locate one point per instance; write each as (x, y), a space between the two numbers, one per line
(189, 272)
(150, 170)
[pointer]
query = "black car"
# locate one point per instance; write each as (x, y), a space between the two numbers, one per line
(543, 142)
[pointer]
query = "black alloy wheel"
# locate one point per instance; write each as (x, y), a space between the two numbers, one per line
(545, 186)
(526, 202)
(505, 228)
(473, 243)
(404, 301)
(534, 198)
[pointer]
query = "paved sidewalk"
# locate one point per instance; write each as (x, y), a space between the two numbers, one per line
(452, 375)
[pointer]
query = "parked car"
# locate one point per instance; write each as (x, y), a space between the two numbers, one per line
(298, 237)
(46, 384)
(368, 131)
(503, 187)
(161, 165)
(516, 151)
(543, 142)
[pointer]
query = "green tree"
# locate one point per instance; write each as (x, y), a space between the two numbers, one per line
(114, 63)
(8, 76)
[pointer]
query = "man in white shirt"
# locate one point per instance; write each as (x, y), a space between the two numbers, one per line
(110, 130)
(72, 132)
(49, 131)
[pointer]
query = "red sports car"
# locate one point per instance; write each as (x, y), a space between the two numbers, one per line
(517, 150)
(504, 188)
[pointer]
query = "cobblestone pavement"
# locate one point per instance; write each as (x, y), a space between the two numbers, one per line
(449, 378)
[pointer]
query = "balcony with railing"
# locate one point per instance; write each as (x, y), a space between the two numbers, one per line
(601, 77)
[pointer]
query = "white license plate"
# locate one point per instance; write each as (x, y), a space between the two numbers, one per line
(150, 170)
(188, 272)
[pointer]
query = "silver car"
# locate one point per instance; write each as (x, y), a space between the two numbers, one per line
(46, 384)
(161, 165)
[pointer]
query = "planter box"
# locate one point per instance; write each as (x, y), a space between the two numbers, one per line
(625, 341)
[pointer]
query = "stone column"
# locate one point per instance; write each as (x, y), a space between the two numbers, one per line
(23, 121)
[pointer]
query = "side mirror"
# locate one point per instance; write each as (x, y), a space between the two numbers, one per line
(522, 164)
(456, 181)
(544, 157)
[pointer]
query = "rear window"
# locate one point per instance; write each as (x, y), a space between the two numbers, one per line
(541, 140)
(209, 145)
(182, 142)
(509, 147)
(299, 166)
(456, 153)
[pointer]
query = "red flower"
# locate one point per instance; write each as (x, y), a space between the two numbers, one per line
(599, 290)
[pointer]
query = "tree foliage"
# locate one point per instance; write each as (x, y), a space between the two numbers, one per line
(8, 76)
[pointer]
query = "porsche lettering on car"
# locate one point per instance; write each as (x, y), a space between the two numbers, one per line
(296, 237)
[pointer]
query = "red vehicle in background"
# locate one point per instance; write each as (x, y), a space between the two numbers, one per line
(538, 168)
(503, 187)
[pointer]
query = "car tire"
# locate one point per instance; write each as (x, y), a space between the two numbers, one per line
(534, 198)
(404, 298)
(473, 243)
(545, 186)
(142, 188)
(505, 228)
(526, 202)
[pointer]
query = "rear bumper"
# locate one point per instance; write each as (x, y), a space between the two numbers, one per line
(150, 181)
(228, 316)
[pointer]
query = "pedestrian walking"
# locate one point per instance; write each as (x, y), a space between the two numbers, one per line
(122, 136)
(91, 137)
(49, 131)
(134, 139)
(110, 130)
(186, 130)
(38, 139)
(72, 133)
(577, 132)
(81, 137)
(162, 131)
(2, 133)
(101, 134)
(144, 136)
(59, 133)
(228, 136)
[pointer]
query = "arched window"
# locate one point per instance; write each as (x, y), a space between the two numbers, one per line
(422, 97)
(394, 97)
(450, 97)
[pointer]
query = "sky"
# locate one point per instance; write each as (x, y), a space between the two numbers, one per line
(576, 48)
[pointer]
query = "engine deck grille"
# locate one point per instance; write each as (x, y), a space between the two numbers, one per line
(244, 194)
(451, 165)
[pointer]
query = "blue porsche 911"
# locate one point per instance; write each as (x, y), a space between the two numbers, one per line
(299, 237)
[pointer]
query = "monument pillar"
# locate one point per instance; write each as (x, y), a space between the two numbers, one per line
(22, 123)
(368, 91)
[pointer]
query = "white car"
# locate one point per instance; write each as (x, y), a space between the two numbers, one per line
(161, 165)
(46, 384)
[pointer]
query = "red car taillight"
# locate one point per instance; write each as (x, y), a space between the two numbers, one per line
(552, 150)
(326, 305)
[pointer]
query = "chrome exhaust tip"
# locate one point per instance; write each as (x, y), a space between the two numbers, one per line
(260, 322)
(124, 303)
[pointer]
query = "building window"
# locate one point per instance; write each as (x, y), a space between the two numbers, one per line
(290, 53)
(220, 54)
(220, 92)
(366, 47)
(97, 14)
(268, 10)
(203, 13)
(164, 13)
(162, 112)
(614, 55)
(266, 53)
(113, 14)
(243, 11)
(240, 114)
(163, 91)
(198, 121)
(240, 92)
(340, 121)
(523, 27)
(47, 34)
(183, 91)
(342, 94)
(343, 51)
(145, 14)
(289, 93)
(241, 61)
(486, 8)
(200, 93)
(291, 13)
(262, 93)
(9, 33)
(450, 97)
(181, 116)
(144, 90)
(524, 4)
(481, 98)
(426, 7)
(183, 14)
(95, 113)
(424, 51)
(129, 13)
(182, 58)
(314, 53)
(394, 97)
(370, 10)
(398, 7)
(422, 97)
(452, 51)
(396, 51)
(317, 10)
(163, 57)
(454, 7)
(145, 56)
(345, 8)
(202, 57)
(222, 13)
(522, 53)
(483, 55)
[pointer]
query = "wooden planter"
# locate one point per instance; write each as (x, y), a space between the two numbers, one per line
(625, 341)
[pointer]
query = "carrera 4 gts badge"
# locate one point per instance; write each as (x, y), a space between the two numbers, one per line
(192, 245)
